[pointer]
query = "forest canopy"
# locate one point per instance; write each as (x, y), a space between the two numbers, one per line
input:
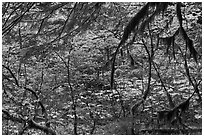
(101, 68)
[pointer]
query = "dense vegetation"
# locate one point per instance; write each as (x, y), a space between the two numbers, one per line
(101, 68)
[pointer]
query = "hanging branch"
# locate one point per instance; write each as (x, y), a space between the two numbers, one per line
(160, 7)
(10, 96)
(17, 7)
(33, 124)
(8, 116)
(127, 31)
(195, 86)
(189, 42)
(67, 65)
(37, 98)
(42, 22)
(171, 103)
(72, 95)
(28, 89)
(8, 28)
(135, 22)
(150, 56)
(170, 41)
(42, 79)
(5, 10)
(68, 18)
(12, 74)
(30, 123)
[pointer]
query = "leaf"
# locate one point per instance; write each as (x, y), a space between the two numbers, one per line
(192, 49)
(173, 47)
(184, 105)
(178, 12)
(183, 32)
(198, 116)
(134, 22)
(121, 52)
(171, 114)
(189, 44)
(160, 8)
(132, 62)
(162, 114)
(168, 41)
